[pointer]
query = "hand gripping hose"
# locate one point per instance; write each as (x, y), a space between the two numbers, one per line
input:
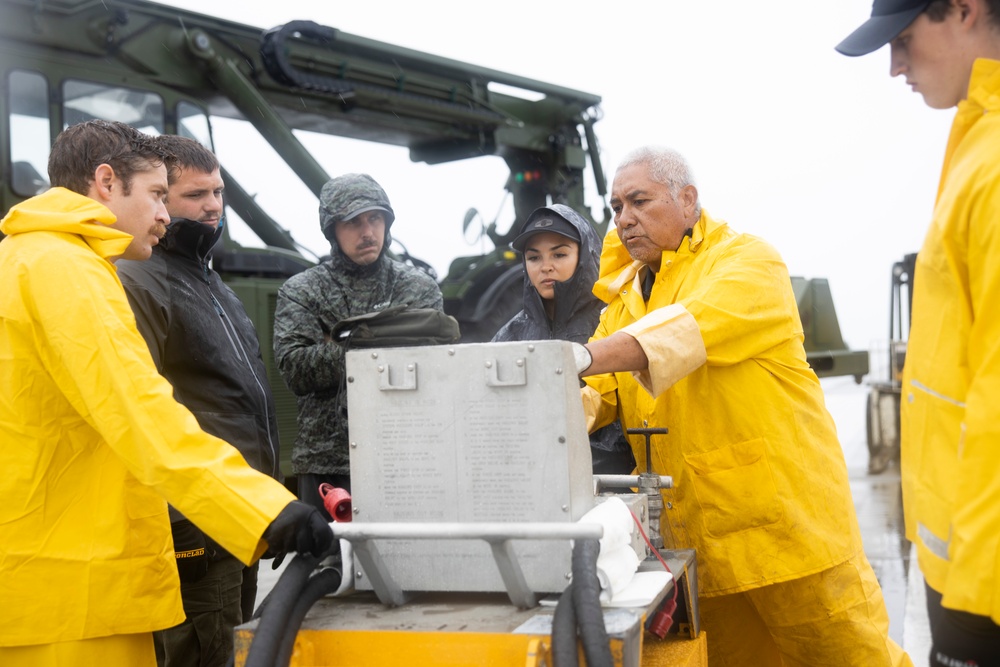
(322, 583)
(282, 611)
(276, 609)
(297, 590)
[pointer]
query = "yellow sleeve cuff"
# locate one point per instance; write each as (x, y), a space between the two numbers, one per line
(672, 341)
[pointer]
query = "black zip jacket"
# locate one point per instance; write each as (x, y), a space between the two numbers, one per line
(203, 342)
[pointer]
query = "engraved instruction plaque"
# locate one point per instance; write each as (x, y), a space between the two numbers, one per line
(486, 432)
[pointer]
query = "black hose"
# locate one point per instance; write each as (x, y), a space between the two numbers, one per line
(260, 608)
(564, 651)
(587, 604)
(320, 584)
(280, 603)
(578, 613)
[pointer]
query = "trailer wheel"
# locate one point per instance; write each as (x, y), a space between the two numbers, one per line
(882, 424)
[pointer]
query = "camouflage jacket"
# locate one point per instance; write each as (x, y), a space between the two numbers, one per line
(309, 305)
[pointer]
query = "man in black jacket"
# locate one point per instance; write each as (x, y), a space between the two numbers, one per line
(204, 343)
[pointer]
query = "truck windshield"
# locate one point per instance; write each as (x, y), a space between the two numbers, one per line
(83, 100)
(29, 132)
(193, 123)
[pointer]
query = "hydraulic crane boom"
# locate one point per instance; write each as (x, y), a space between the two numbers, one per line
(166, 70)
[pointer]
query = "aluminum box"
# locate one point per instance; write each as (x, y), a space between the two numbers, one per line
(477, 433)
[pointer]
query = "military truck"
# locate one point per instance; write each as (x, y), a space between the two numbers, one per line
(165, 70)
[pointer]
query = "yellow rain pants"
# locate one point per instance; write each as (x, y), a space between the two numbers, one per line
(835, 618)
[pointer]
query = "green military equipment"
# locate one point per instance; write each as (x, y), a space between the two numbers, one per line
(826, 350)
(165, 70)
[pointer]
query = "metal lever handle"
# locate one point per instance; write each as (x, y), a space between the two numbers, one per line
(648, 433)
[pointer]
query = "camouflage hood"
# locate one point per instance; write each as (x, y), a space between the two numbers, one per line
(349, 195)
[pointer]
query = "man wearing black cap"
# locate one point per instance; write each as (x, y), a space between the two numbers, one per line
(358, 278)
(949, 52)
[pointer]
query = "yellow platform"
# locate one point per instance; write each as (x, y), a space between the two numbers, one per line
(675, 652)
(451, 630)
(321, 649)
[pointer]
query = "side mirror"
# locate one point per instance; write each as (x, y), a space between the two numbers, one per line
(470, 217)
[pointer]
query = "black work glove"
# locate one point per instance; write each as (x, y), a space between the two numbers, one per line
(299, 527)
(190, 550)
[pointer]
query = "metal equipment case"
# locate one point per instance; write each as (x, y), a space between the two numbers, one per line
(479, 433)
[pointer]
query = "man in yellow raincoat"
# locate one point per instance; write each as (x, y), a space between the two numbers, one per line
(702, 336)
(949, 52)
(92, 444)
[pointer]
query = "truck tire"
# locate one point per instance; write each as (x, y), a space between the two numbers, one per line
(508, 303)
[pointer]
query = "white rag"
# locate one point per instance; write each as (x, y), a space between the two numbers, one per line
(617, 561)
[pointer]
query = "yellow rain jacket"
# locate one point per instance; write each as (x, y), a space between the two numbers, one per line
(951, 380)
(760, 481)
(93, 446)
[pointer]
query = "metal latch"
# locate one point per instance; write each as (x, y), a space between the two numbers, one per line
(517, 374)
(405, 377)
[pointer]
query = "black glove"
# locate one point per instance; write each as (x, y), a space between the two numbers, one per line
(299, 527)
(190, 550)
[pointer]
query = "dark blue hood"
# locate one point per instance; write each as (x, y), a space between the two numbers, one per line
(577, 310)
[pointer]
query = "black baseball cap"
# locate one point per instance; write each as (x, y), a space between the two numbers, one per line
(548, 222)
(888, 19)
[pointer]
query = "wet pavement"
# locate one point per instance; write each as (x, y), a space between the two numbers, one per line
(878, 504)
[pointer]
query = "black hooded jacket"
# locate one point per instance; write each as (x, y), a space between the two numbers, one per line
(203, 342)
(577, 310)
(577, 313)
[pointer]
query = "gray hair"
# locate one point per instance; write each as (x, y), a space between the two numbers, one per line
(666, 166)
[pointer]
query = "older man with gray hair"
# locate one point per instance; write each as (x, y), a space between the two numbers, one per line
(358, 278)
(702, 336)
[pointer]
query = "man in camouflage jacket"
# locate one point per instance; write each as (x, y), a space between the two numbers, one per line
(358, 278)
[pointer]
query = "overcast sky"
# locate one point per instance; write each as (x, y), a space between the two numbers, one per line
(826, 157)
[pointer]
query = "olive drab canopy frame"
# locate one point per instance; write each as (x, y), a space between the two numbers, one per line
(166, 70)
